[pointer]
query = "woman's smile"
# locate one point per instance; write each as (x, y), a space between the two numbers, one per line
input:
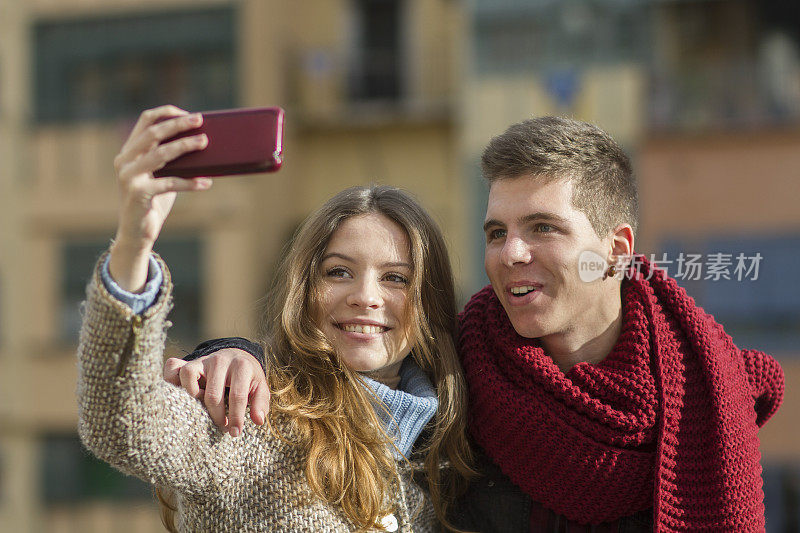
(365, 328)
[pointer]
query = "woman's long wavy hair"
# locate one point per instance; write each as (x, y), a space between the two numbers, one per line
(347, 461)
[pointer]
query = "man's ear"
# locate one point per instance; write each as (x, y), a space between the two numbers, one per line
(621, 247)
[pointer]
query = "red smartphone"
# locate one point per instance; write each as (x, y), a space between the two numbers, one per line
(240, 141)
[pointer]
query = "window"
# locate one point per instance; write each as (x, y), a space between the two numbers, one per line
(376, 67)
(78, 260)
(760, 312)
(184, 258)
(479, 199)
(782, 496)
(182, 255)
(70, 473)
(552, 37)
(111, 67)
(726, 64)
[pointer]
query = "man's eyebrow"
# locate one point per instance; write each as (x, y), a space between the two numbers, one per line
(543, 215)
(532, 217)
(388, 264)
(492, 222)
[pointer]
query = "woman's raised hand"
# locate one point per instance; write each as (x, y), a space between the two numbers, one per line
(146, 201)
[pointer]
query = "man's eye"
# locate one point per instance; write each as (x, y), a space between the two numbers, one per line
(544, 228)
(496, 234)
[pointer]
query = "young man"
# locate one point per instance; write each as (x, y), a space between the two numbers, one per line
(601, 397)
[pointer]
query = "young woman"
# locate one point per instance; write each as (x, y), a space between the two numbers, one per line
(359, 340)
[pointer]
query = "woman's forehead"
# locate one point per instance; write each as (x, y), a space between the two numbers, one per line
(372, 237)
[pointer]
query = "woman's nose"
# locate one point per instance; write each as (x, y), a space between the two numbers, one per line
(366, 294)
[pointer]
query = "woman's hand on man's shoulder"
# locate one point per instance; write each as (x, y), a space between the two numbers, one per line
(227, 376)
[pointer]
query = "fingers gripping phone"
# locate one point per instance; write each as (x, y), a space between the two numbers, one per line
(240, 141)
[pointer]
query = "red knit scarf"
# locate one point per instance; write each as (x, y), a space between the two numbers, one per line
(667, 420)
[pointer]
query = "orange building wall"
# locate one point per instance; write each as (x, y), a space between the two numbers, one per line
(725, 184)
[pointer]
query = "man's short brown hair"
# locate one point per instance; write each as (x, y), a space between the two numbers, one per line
(560, 148)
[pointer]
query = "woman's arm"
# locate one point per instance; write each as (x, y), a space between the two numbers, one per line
(129, 416)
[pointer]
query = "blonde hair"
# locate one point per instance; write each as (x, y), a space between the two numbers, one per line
(347, 462)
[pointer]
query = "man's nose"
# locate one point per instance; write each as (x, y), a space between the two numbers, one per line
(515, 251)
(366, 294)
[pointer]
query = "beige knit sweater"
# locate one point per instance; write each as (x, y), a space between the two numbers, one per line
(144, 426)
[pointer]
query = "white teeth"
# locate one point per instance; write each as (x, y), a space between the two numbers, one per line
(525, 289)
(361, 328)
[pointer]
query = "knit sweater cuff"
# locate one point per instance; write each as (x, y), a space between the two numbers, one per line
(138, 302)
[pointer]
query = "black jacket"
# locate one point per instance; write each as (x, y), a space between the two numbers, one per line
(493, 503)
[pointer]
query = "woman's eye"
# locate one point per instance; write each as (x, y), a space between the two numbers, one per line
(396, 278)
(337, 272)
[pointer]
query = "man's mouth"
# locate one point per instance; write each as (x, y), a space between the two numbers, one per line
(362, 328)
(522, 290)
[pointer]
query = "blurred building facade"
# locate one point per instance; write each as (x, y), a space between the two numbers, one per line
(704, 94)
(368, 87)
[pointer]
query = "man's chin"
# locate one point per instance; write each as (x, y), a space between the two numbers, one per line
(528, 329)
(524, 324)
